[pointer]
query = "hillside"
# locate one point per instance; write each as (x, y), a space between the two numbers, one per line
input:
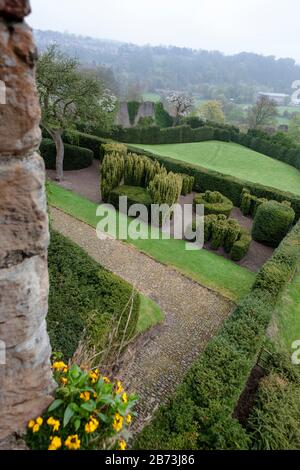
(207, 73)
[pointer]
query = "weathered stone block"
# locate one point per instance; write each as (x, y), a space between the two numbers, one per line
(23, 221)
(14, 9)
(23, 300)
(26, 382)
(20, 116)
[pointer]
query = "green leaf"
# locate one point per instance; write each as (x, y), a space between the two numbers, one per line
(89, 406)
(77, 424)
(69, 413)
(55, 404)
(74, 407)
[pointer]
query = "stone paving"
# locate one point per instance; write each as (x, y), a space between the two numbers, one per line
(155, 364)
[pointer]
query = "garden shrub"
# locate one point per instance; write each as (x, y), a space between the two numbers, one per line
(75, 158)
(90, 142)
(219, 229)
(135, 195)
(134, 174)
(133, 109)
(232, 234)
(214, 203)
(241, 246)
(112, 173)
(211, 389)
(84, 296)
(274, 418)
(140, 170)
(272, 222)
(114, 147)
(165, 189)
(209, 220)
(187, 184)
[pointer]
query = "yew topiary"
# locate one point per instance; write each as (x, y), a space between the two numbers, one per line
(272, 222)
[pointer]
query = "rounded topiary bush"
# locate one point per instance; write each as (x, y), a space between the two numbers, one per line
(272, 222)
(75, 157)
(214, 203)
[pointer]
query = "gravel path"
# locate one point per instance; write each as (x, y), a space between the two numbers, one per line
(155, 364)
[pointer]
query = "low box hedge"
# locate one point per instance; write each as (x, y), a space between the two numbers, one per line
(201, 413)
(214, 203)
(272, 222)
(75, 158)
(91, 142)
(84, 296)
(135, 195)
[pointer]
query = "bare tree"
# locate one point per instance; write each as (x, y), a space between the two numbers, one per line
(181, 103)
(262, 113)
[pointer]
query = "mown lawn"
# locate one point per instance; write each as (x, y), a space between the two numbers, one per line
(209, 269)
(150, 315)
(288, 314)
(235, 160)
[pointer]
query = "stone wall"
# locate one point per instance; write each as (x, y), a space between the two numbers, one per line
(25, 375)
(146, 109)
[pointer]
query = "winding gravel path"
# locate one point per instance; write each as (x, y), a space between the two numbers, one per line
(156, 363)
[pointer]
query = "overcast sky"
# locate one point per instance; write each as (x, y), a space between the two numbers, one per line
(270, 27)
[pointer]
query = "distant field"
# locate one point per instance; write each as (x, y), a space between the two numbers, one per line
(151, 97)
(235, 160)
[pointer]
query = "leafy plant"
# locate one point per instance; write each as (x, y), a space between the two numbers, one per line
(89, 412)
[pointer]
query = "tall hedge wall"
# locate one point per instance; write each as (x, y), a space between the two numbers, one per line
(200, 414)
(229, 186)
(75, 158)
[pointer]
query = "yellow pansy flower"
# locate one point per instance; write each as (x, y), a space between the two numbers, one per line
(118, 422)
(128, 419)
(91, 426)
(85, 396)
(122, 445)
(73, 442)
(55, 443)
(124, 397)
(119, 388)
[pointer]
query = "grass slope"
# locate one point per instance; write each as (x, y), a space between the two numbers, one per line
(235, 160)
(209, 269)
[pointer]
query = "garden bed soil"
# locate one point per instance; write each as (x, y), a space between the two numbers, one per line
(86, 182)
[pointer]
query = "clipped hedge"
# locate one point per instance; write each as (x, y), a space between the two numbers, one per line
(276, 146)
(214, 203)
(241, 247)
(75, 158)
(201, 411)
(272, 222)
(90, 142)
(135, 195)
(227, 233)
(229, 186)
(84, 296)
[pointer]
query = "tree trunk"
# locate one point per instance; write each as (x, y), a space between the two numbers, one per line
(60, 152)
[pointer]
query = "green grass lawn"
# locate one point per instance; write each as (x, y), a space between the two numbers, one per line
(154, 97)
(150, 315)
(235, 160)
(209, 269)
(288, 314)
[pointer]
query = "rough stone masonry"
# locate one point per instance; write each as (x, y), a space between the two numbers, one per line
(25, 374)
